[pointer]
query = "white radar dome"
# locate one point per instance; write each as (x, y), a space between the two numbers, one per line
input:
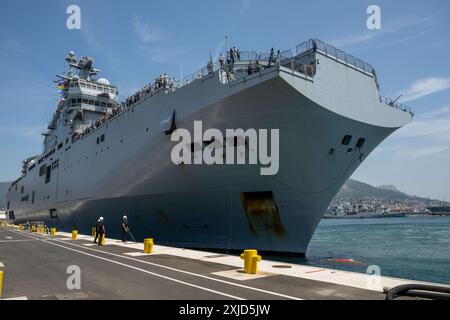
(103, 81)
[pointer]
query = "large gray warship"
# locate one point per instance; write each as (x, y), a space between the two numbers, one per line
(107, 158)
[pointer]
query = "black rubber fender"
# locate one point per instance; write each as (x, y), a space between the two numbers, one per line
(419, 291)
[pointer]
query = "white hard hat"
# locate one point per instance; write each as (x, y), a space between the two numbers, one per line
(100, 219)
(125, 217)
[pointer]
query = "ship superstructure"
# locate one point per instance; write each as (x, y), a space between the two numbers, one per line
(108, 158)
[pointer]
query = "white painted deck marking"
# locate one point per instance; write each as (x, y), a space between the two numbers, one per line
(192, 273)
(339, 277)
(239, 274)
(169, 268)
(138, 254)
(146, 271)
(16, 298)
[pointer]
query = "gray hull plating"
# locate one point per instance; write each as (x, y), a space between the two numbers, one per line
(202, 206)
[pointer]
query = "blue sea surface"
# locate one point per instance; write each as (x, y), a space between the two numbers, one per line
(404, 247)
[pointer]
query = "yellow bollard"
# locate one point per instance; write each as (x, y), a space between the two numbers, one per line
(74, 234)
(1, 283)
(93, 231)
(251, 259)
(20, 227)
(148, 245)
(53, 231)
(103, 239)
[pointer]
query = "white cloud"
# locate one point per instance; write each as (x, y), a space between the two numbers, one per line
(424, 87)
(147, 33)
(393, 27)
(407, 38)
(420, 152)
(355, 38)
(161, 53)
(427, 136)
(437, 128)
(434, 113)
(245, 5)
(154, 43)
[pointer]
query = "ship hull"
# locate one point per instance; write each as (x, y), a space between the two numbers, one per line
(201, 206)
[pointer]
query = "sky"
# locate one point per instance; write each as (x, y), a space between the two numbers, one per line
(134, 41)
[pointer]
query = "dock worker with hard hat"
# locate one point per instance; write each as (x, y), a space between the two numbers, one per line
(125, 229)
(100, 231)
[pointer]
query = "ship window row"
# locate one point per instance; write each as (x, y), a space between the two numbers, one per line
(46, 156)
(79, 101)
(93, 86)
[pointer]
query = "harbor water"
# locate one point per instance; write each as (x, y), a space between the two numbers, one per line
(405, 247)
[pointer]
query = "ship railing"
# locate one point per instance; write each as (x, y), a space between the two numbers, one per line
(199, 74)
(293, 62)
(336, 54)
(394, 104)
(89, 84)
(260, 61)
(252, 58)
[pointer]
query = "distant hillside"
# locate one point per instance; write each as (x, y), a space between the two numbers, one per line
(3, 190)
(388, 187)
(354, 189)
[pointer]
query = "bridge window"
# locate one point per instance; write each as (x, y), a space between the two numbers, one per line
(42, 170)
(48, 174)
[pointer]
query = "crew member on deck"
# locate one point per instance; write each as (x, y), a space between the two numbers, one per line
(125, 229)
(100, 231)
